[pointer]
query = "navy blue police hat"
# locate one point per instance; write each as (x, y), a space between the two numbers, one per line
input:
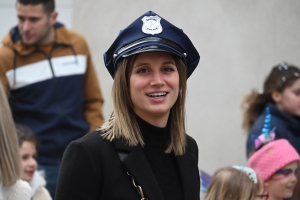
(150, 32)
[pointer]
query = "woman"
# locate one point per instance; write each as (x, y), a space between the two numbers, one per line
(11, 187)
(142, 152)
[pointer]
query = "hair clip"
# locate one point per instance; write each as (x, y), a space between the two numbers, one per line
(284, 66)
(250, 172)
(296, 74)
(283, 78)
(261, 91)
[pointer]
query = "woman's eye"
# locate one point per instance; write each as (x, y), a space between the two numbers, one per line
(142, 71)
(168, 69)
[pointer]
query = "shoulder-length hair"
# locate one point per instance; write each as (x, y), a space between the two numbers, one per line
(10, 161)
(123, 124)
(229, 183)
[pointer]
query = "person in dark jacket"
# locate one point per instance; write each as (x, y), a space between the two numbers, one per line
(275, 109)
(48, 74)
(143, 151)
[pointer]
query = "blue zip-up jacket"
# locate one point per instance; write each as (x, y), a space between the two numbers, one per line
(286, 126)
(53, 89)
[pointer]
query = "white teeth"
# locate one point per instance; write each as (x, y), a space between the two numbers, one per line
(158, 94)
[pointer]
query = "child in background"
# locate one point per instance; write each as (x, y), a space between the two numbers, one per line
(236, 183)
(278, 104)
(11, 187)
(276, 163)
(28, 154)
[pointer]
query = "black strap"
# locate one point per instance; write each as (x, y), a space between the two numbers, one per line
(122, 156)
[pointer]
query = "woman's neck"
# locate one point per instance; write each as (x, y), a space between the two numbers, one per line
(155, 120)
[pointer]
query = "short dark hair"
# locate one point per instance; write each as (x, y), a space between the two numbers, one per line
(25, 134)
(49, 5)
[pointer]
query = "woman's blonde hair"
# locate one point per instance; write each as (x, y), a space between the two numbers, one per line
(10, 162)
(232, 184)
(123, 124)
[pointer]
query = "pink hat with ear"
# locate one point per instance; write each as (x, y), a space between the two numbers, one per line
(272, 157)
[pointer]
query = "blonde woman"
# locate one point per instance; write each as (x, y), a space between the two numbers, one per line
(11, 187)
(143, 151)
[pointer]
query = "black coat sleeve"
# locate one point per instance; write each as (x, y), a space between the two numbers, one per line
(78, 176)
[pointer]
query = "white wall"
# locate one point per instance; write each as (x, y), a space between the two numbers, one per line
(8, 16)
(238, 41)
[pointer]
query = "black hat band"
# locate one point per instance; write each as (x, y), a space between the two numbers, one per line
(156, 40)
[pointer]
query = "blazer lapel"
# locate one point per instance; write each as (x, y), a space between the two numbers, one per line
(137, 165)
(189, 175)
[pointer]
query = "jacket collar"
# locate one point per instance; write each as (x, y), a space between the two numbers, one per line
(13, 39)
(137, 165)
(292, 122)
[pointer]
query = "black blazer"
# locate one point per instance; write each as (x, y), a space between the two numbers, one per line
(91, 169)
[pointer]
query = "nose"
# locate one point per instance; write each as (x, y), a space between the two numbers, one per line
(294, 178)
(32, 162)
(26, 25)
(157, 79)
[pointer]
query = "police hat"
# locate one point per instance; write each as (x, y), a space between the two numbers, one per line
(150, 32)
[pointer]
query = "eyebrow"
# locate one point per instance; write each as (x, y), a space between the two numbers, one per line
(31, 17)
(145, 63)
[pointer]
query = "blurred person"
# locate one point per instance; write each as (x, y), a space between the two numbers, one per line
(27, 144)
(276, 107)
(236, 183)
(143, 151)
(11, 187)
(276, 163)
(48, 73)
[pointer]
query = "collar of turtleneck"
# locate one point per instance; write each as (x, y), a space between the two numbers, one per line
(153, 136)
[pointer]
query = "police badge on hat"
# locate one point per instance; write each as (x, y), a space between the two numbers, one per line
(151, 25)
(157, 34)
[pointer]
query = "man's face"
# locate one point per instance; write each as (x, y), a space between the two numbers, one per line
(35, 24)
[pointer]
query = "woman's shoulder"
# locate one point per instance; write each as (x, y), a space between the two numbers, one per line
(191, 144)
(94, 137)
(92, 142)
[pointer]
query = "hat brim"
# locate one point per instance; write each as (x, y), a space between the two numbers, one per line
(148, 44)
(152, 48)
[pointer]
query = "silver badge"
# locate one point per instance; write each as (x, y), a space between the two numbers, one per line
(151, 25)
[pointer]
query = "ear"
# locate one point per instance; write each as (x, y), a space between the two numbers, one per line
(276, 96)
(53, 17)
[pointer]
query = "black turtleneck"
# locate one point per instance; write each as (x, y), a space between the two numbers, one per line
(162, 164)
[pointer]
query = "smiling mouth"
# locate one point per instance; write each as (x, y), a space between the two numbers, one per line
(157, 94)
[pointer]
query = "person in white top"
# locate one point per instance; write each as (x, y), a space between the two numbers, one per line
(28, 153)
(11, 187)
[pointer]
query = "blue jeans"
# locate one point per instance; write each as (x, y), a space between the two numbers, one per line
(51, 176)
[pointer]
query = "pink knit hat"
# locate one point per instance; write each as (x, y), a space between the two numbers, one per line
(273, 157)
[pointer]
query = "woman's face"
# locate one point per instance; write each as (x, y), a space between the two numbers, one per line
(28, 156)
(283, 182)
(289, 99)
(154, 85)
